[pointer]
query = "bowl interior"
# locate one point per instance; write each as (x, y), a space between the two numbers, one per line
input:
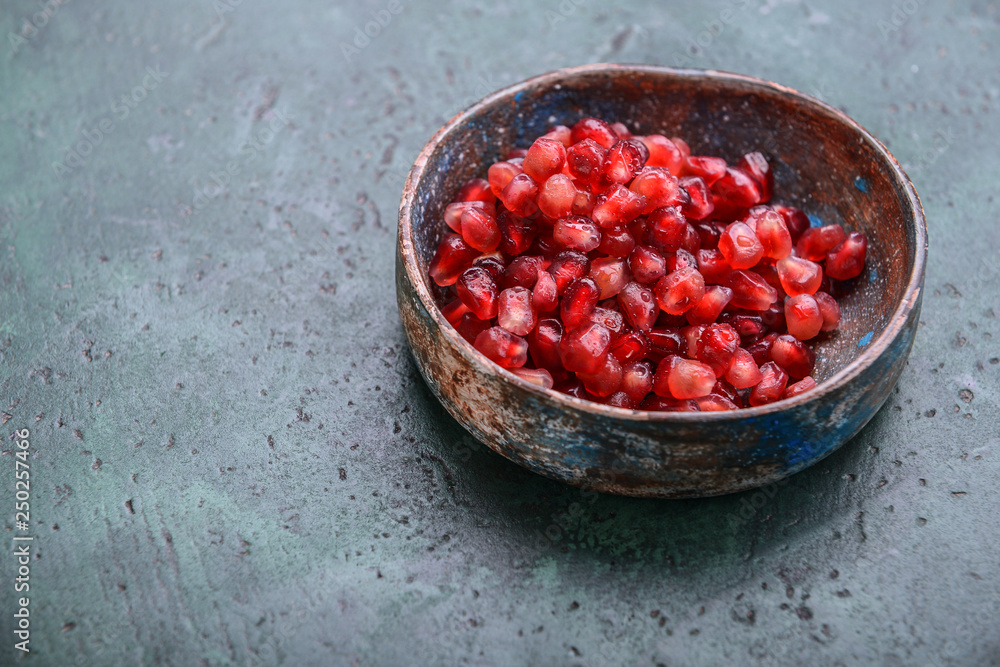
(823, 163)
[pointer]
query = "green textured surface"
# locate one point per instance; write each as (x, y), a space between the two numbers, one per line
(235, 461)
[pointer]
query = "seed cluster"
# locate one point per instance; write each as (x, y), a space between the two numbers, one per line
(625, 270)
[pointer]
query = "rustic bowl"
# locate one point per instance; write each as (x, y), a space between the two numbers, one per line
(823, 163)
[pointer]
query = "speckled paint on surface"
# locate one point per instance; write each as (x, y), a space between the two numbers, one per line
(236, 460)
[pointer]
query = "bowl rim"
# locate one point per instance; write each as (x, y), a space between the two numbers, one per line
(894, 327)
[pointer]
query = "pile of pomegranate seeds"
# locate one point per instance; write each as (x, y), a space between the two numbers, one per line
(624, 270)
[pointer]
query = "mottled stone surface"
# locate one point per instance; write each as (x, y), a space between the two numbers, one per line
(234, 458)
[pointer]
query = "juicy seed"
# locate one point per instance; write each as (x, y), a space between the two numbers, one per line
(759, 169)
(611, 275)
(829, 309)
(647, 265)
(453, 212)
(576, 232)
(799, 276)
(685, 378)
(816, 242)
(847, 260)
(773, 234)
(620, 399)
(750, 291)
(557, 195)
(713, 266)
(797, 358)
(453, 256)
(469, 327)
(740, 246)
(637, 379)
(454, 311)
(715, 403)
(545, 296)
(617, 206)
(516, 233)
(734, 194)
(545, 158)
(536, 376)
(478, 291)
(710, 306)
(770, 388)
(800, 387)
(662, 153)
(659, 187)
(803, 317)
(624, 159)
(709, 169)
(560, 133)
(630, 347)
(796, 221)
(476, 189)
(585, 161)
(523, 271)
(638, 305)
(502, 347)
(617, 242)
(579, 301)
(543, 344)
(716, 347)
(594, 129)
(700, 203)
(680, 291)
(567, 266)
(583, 350)
(520, 195)
(606, 380)
(501, 174)
(480, 229)
(743, 372)
(666, 229)
(515, 312)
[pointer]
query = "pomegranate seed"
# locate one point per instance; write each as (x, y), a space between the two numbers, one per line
(453, 256)
(710, 306)
(774, 317)
(557, 196)
(654, 403)
(797, 358)
(743, 371)
(681, 259)
(516, 154)
(516, 233)
(647, 265)
(666, 229)
(453, 212)
(799, 276)
(611, 275)
(847, 260)
(759, 169)
(795, 220)
(714, 403)
(480, 229)
(621, 130)
(573, 387)
(750, 291)
(544, 296)
(606, 380)
(585, 161)
(617, 242)
(770, 388)
(708, 234)
(716, 347)
(662, 153)
(514, 311)
(567, 266)
(536, 376)
(709, 169)
(679, 291)
(750, 326)
(469, 327)
(523, 271)
(579, 301)
(734, 194)
(560, 133)
(502, 173)
(829, 309)
(583, 350)
(616, 206)
(800, 387)
(543, 344)
(545, 158)
(659, 187)
(665, 341)
(803, 317)
(576, 233)
(699, 204)
(611, 320)
(816, 242)
(502, 347)
(713, 266)
(624, 160)
(683, 378)
(638, 304)
(594, 129)
(740, 246)
(692, 240)
(620, 399)
(476, 189)
(761, 349)
(682, 146)
(520, 195)
(773, 234)
(454, 311)
(630, 346)
(637, 379)
(691, 335)
(478, 291)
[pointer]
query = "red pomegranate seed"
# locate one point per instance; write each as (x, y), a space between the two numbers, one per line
(630, 346)
(759, 169)
(847, 260)
(516, 233)
(621, 130)
(803, 317)
(583, 350)
(734, 194)
(743, 371)
(692, 240)
(620, 399)
(480, 229)
(611, 275)
(647, 265)
(520, 195)
(662, 153)
(514, 311)
(683, 378)
(774, 317)
(502, 347)
(750, 291)
(579, 301)
(678, 292)
(523, 271)
(638, 304)
(617, 206)
(594, 129)
(606, 380)
(476, 189)
(516, 154)
(543, 344)
(478, 291)
(502, 173)
(557, 196)
(716, 347)
(700, 203)
(611, 320)
(799, 276)
(710, 306)
(797, 358)
(453, 256)
(637, 379)
(576, 232)
(680, 260)
(469, 327)
(709, 169)
(659, 187)
(816, 242)
(493, 263)
(713, 266)
(666, 229)
(708, 234)
(454, 311)
(664, 342)
(740, 246)
(567, 266)
(773, 234)
(829, 309)
(573, 387)
(453, 212)
(795, 220)
(654, 403)
(616, 242)
(560, 133)
(692, 337)
(800, 387)
(761, 349)
(585, 161)
(770, 388)
(625, 159)
(714, 403)
(545, 158)
(544, 296)
(682, 146)
(536, 376)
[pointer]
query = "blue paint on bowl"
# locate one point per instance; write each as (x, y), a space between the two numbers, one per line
(867, 338)
(815, 220)
(873, 276)
(861, 184)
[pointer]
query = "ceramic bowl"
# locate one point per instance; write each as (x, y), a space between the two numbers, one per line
(823, 162)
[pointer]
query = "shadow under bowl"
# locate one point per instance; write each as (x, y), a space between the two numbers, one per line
(823, 163)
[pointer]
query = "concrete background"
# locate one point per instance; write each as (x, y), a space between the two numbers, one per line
(234, 460)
